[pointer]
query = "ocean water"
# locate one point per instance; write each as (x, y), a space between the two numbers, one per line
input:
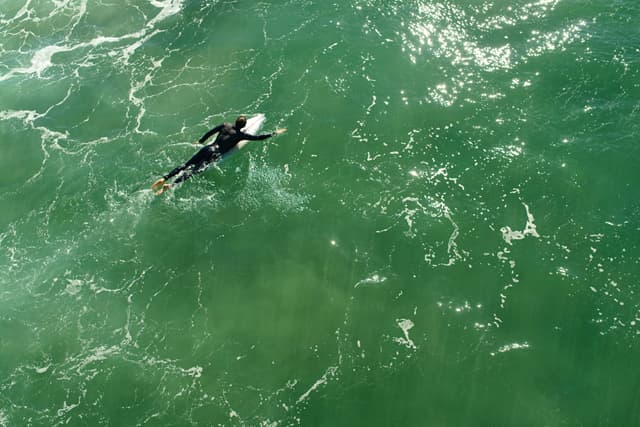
(447, 235)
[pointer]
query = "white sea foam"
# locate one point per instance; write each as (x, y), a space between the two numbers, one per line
(42, 369)
(73, 286)
(406, 325)
(329, 373)
(529, 229)
(269, 186)
(373, 280)
(511, 347)
(42, 59)
(168, 8)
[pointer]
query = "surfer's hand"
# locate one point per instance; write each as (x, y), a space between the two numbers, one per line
(279, 131)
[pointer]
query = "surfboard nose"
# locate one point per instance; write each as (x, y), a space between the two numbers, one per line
(254, 123)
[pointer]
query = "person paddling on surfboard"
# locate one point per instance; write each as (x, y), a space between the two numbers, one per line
(228, 137)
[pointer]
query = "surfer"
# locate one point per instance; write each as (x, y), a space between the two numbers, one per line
(228, 137)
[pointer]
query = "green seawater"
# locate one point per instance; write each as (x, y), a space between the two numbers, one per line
(447, 235)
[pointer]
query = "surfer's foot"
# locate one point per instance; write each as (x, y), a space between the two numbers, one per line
(164, 187)
(157, 184)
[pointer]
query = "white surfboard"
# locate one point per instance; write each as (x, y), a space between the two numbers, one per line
(253, 126)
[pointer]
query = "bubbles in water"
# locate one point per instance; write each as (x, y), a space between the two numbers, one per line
(268, 186)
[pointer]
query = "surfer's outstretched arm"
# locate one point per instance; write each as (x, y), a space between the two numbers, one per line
(261, 137)
(211, 132)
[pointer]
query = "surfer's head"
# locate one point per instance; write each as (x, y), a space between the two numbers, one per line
(241, 122)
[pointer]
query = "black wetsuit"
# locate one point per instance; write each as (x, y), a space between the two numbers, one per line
(228, 137)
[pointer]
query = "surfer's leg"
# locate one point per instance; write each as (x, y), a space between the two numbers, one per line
(187, 171)
(199, 163)
(186, 175)
(175, 171)
(162, 190)
(159, 186)
(199, 157)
